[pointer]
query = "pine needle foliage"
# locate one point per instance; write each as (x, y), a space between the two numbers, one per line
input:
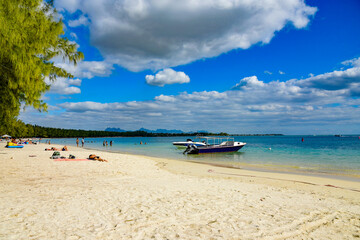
(30, 37)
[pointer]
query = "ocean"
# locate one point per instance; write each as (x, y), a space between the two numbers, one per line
(318, 155)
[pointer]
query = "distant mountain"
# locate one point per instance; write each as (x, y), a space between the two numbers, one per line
(115, 130)
(160, 131)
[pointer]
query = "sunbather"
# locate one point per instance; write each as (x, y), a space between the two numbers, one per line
(97, 158)
(56, 149)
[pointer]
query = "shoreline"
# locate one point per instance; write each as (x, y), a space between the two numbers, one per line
(314, 170)
(326, 171)
(267, 168)
(261, 174)
(251, 171)
(141, 197)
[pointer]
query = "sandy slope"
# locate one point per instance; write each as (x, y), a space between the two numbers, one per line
(135, 197)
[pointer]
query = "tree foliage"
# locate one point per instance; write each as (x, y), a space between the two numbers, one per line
(30, 37)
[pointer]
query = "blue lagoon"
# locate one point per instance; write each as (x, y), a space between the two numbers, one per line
(324, 155)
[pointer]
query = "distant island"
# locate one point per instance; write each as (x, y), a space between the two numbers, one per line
(146, 130)
(259, 134)
(22, 130)
(160, 130)
(187, 133)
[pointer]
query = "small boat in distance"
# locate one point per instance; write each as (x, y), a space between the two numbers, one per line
(215, 145)
(188, 142)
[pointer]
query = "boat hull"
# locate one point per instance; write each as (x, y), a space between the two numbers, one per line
(219, 149)
(216, 149)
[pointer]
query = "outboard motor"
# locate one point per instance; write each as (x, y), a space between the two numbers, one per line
(191, 149)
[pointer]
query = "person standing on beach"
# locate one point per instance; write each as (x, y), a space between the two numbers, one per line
(82, 142)
(110, 143)
(77, 142)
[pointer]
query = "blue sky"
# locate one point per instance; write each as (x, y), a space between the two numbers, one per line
(275, 66)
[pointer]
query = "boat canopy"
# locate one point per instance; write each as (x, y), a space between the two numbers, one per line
(216, 140)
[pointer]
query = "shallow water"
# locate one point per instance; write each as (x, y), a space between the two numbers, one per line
(316, 154)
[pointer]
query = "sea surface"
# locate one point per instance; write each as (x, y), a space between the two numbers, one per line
(319, 155)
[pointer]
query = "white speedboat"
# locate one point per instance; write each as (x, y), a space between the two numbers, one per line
(215, 145)
(188, 143)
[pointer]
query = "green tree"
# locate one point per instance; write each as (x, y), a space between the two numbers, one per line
(30, 37)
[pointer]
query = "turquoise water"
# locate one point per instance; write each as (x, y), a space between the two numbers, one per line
(316, 154)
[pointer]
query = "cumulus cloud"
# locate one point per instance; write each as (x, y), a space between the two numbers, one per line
(248, 82)
(167, 76)
(165, 98)
(83, 70)
(64, 86)
(85, 106)
(355, 62)
(335, 80)
(88, 69)
(203, 96)
(82, 20)
(252, 105)
(154, 34)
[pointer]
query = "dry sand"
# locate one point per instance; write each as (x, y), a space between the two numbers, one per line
(137, 197)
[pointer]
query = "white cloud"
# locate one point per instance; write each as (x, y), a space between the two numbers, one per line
(74, 36)
(335, 80)
(248, 82)
(84, 69)
(85, 106)
(281, 72)
(202, 96)
(268, 72)
(154, 114)
(75, 82)
(81, 21)
(355, 62)
(251, 106)
(156, 34)
(64, 86)
(167, 76)
(165, 98)
(87, 69)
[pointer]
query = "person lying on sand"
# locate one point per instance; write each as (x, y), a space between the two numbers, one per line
(51, 149)
(97, 158)
(56, 149)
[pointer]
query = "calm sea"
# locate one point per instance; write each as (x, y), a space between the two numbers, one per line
(315, 155)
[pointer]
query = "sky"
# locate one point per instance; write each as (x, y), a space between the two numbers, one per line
(236, 66)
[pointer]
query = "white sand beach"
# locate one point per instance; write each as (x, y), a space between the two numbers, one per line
(137, 197)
